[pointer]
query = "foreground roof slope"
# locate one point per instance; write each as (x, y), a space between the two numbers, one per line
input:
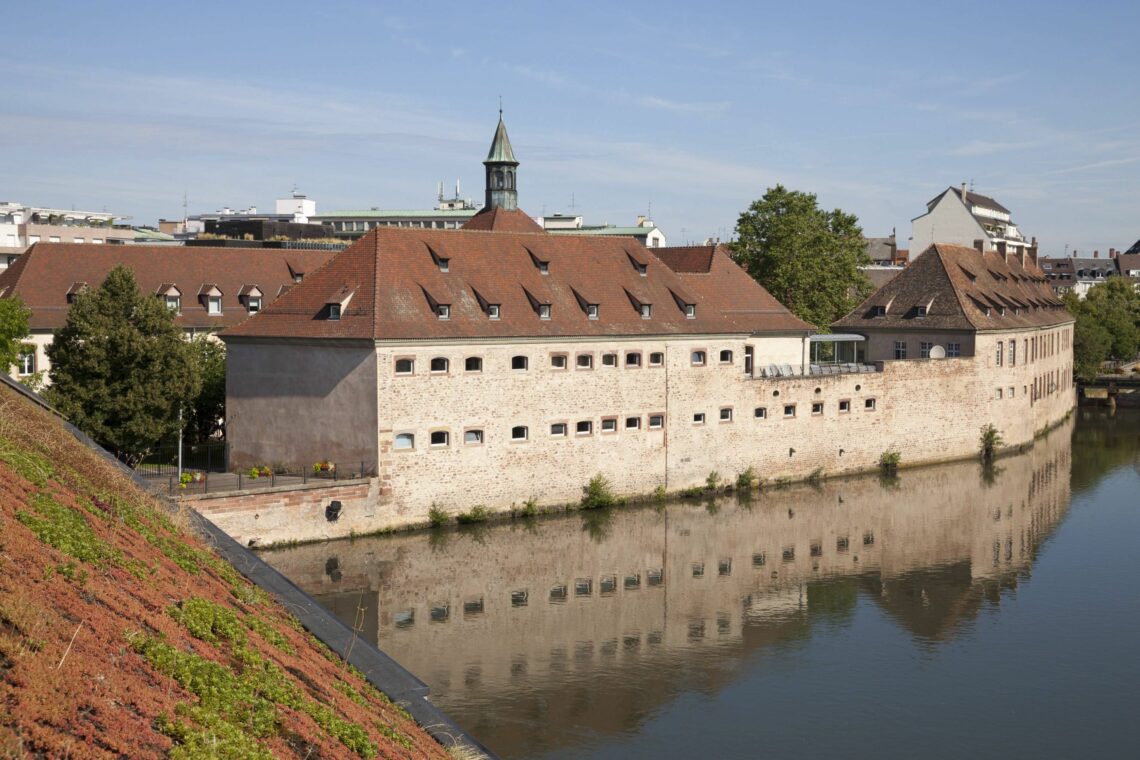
(45, 275)
(396, 284)
(962, 289)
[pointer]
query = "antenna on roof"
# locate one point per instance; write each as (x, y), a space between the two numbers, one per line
(572, 207)
(649, 211)
(439, 191)
(184, 204)
(971, 185)
(500, 106)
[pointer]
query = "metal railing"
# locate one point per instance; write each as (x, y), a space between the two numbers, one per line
(200, 457)
(264, 477)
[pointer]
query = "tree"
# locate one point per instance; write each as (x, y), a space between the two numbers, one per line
(120, 368)
(806, 257)
(205, 416)
(13, 329)
(1107, 325)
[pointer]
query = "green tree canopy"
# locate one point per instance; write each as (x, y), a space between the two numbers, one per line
(13, 329)
(806, 257)
(206, 413)
(1107, 326)
(120, 368)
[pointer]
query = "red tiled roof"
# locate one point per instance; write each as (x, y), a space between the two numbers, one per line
(498, 220)
(43, 276)
(957, 285)
(689, 259)
(399, 284)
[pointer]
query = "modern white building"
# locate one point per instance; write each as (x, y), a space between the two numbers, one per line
(22, 226)
(962, 217)
(644, 231)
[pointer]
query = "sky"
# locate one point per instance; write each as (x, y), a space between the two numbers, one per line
(684, 111)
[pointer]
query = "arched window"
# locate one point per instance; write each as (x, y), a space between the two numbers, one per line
(405, 441)
(499, 179)
(519, 433)
(439, 364)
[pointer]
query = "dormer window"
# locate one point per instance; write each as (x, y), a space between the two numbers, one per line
(250, 295)
(214, 305)
(920, 311)
(592, 311)
(444, 264)
(174, 303)
(493, 310)
(74, 291)
(254, 304)
(334, 311)
(880, 311)
(443, 311)
(690, 311)
(211, 298)
(641, 268)
(544, 311)
(646, 310)
(544, 267)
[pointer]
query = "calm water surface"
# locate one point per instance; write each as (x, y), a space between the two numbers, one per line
(953, 612)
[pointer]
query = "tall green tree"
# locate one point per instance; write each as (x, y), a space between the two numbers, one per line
(206, 413)
(120, 368)
(806, 257)
(13, 329)
(1107, 325)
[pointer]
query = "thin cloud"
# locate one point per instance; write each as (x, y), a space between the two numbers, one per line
(677, 106)
(987, 147)
(1096, 165)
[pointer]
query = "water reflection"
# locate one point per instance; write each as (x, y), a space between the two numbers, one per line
(542, 635)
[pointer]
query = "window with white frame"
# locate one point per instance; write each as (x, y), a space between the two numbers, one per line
(558, 430)
(632, 423)
(844, 406)
(760, 413)
(656, 421)
(697, 358)
(726, 414)
(557, 361)
(609, 424)
(817, 407)
(472, 437)
(473, 364)
(725, 356)
(519, 362)
(440, 364)
(493, 310)
(544, 311)
(690, 311)
(405, 442)
(440, 438)
(584, 427)
(609, 360)
(443, 311)
(174, 303)
(519, 433)
(214, 306)
(646, 310)
(789, 410)
(900, 349)
(592, 311)
(869, 404)
(585, 361)
(656, 359)
(633, 359)
(698, 418)
(924, 349)
(955, 350)
(26, 360)
(405, 366)
(253, 304)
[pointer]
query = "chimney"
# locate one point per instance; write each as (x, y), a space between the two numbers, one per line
(1001, 248)
(963, 192)
(1112, 253)
(1096, 254)
(1032, 251)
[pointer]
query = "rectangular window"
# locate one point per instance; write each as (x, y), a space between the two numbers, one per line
(726, 414)
(699, 418)
(789, 410)
(690, 311)
(880, 311)
(592, 311)
(920, 311)
(633, 359)
(844, 406)
(760, 413)
(1013, 353)
(440, 438)
(254, 304)
(544, 311)
(473, 437)
(519, 433)
(334, 311)
(609, 425)
(521, 362)
(444, 311)
(493, 311)
(955, 349)
(585, 361)
(1011, 391)
(214, 305)
(632, 423)
(405, 442)
(174, 303)
(817, 407)
(869, 404)
(26, 360)
(405, 366)
(473, 364)
(558, 430)
(656, 421)
(900, 349)
(924, 350)
(998, 394)
(697, 358)
(609, 360)
(997, 357)
(646, 310)
(726, 357)
(584, 427)
(557, 361)
(656, 359)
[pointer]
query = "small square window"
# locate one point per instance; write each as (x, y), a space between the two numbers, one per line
(726, 414)
(1011, 391)
(584, 427)
(544, 311)
(544, 267)
(869, 404)
(334, 311)
(253, 304)
(656, 421)
(473, 364)
(726, 357)
(880, 311)
(789, 410)
(558, 430)
(444, 265)
(557, 361)
(443, 311)
(440, 438)
(817, 407)
(646, 310)
(690, 311)
(760, 413)
(609, 425)
(699, 418)
(592, 311)
(405, 442)
(493, 310)
(473, 437)
(697, 358)
(439, 364)
(174, 303)
(519, 362)
(632, 423)
(609, 360)
(999, 394)
(519, 433)
(405, 366)
(844, 406)
(656, 359)
(641, 269)
(920, 311)
(585, 361)
(214, 306)
(633, 359)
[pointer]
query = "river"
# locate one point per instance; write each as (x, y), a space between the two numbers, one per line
(953, 611)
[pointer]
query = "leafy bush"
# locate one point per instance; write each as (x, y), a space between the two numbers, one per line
(744, 479)
(889, 459)
(476, 514)
(598, 493)
(989, 441)
(712, 482)
(437, 516)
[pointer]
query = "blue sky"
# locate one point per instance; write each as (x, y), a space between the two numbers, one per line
(695, 108)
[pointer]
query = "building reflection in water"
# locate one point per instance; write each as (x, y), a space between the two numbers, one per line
(537, 634)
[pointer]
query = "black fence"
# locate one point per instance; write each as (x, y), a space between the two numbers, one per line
(194, 481)
(202, 457)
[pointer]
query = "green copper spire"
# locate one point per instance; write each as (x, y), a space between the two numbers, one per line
(502, 192)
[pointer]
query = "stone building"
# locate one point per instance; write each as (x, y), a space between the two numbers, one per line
(208, 289)
(497, 363)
